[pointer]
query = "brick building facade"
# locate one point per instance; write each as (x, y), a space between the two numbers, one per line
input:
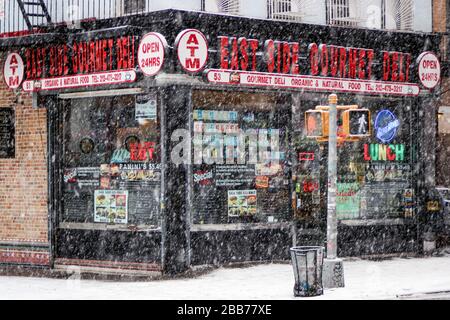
(23, 184)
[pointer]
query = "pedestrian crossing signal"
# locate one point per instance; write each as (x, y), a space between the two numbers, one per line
(357, 123)
(317, 123)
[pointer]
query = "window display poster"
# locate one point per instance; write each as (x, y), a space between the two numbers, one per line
(241, 203)
(146, 107)
(7, 133)
(347, 201)
(111, 206)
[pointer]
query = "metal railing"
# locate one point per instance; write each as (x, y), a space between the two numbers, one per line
(66, 11)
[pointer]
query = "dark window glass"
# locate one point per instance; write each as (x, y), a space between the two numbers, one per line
(111, 162)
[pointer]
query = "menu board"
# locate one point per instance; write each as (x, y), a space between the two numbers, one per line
(111, 206)
(7, 133)
(242, 203)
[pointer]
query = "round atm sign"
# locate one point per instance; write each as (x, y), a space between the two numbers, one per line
(151, 53)
(429, 70)
(13, 70)
(192, 50)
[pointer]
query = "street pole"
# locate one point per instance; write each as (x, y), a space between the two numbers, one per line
(332, 173)
(333, 271)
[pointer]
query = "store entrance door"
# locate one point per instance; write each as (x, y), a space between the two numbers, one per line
(106, 182)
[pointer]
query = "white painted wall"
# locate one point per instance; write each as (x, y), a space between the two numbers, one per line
(423, 17)
(315, 12)
(254, 8)
(175, 4)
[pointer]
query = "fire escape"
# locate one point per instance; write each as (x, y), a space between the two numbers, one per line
(35, 13)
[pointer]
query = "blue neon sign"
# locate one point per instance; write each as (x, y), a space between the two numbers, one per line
(386, 126)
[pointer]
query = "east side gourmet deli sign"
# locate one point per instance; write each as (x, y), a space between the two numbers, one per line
(328, 68)
(78, 64)
(239, 61)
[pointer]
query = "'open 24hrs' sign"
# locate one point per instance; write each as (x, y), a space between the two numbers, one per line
(429, 70)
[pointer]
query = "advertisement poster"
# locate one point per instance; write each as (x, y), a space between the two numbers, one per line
(241, 203)
(7, 133)
(111, 206)
(146, 107)
(234, 175)
(347, 201)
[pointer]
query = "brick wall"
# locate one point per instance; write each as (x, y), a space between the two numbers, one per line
(439, 15)
(23, 184)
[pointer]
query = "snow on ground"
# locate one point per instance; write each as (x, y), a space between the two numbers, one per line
(364, 280)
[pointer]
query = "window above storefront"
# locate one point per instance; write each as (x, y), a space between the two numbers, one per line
(20, 16)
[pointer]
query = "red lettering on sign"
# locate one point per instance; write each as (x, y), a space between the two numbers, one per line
(286, 58)
(352, 59)
(269, 48)
(370, 56)
(234, 63)
(386, 66)
(342, 62)
(314, 59)
(324, 60)
(334, 58)
(243, 46)
(223, 52)
(295, 69)
(254, 45)
(362, 64)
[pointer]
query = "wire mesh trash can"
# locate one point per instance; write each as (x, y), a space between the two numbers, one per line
(308, 265)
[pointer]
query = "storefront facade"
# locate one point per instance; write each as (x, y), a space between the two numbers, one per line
(146, 163)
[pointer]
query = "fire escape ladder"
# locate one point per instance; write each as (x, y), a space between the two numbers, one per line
(35, 13)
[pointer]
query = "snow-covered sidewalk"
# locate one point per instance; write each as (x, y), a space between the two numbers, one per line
(364, 280)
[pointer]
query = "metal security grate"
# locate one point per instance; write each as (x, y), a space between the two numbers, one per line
(344, 12)
(404, 14)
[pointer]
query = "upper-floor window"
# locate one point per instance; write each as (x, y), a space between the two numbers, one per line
(400, 14)
(291, 10)
(229, 6)
(133, 6)
(343, 12)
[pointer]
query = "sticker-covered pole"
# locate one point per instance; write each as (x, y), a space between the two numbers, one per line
(332, 173)
(333, 269)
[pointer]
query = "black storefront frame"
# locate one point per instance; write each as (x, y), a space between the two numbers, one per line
(177, 253)
(58, 235)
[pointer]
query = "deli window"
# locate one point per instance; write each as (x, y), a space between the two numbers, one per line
(250, 184)
(111, 161)
(375, 173)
